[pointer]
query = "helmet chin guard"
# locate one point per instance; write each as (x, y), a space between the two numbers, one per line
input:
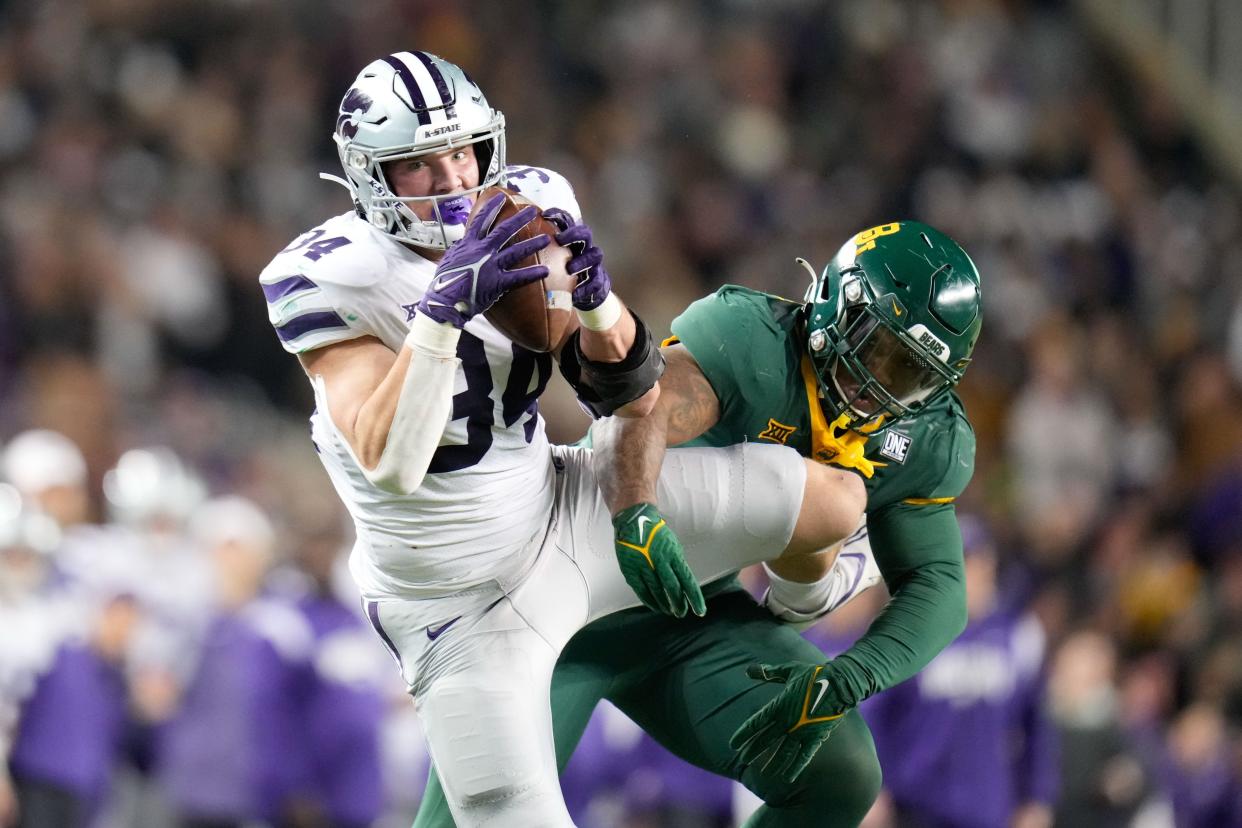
(405, 105)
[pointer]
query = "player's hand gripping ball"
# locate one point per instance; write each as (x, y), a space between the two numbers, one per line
(482, 266)
(538, 314)
(592, 284)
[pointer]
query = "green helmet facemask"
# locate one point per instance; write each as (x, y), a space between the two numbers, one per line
(891, 322)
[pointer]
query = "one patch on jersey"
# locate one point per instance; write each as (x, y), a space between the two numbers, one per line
(777, 432)
(896, 446)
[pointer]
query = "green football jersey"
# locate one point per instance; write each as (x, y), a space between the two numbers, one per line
(749, 349)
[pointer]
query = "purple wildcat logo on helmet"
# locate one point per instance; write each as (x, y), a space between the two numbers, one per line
(354, 105)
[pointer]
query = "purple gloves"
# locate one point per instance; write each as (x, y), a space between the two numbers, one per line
(588, 260)
(475, 272)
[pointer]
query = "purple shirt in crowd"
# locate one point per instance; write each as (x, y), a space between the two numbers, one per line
(72, 724)
(679, 785)
(616, 763)
(345, 710)
(966, 741)
(1206, 796)
(235, 749)
(600, 764)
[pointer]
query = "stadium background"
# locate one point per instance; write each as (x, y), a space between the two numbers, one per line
(154, 155)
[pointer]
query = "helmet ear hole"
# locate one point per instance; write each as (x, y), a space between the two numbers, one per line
(829, 286)
(483, 152)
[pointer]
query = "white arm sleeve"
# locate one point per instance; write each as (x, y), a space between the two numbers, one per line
(422, 409)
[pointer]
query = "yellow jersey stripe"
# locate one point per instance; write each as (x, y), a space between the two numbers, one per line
(928, 501)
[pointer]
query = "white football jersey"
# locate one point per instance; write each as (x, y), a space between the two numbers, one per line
(488, 491)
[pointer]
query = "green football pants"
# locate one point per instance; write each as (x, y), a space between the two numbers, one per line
(684, 682)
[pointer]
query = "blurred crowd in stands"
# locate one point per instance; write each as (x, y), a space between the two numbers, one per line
(176, 641)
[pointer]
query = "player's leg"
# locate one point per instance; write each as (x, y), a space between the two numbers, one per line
(764, 501)
(489, 730)
(803, 601)
(433, 810)
(831, 508)
(730, 507)
(694, 709)
(480, 680)
(582, 677)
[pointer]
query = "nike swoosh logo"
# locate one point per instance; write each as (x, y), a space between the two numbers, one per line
(823, 688)
(434, 634)
(642, 531)
(896, 309)
(446, 281)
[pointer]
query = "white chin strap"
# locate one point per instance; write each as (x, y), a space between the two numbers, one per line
(434, 234)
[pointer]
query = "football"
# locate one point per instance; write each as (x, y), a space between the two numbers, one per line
(536, 316)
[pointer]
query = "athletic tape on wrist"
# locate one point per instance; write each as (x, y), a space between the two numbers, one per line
(603, 317)
(438, 339)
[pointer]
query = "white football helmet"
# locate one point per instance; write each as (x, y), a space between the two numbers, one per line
(232, 519)
(27, 540)
(24, 527)
(406, 104)
(39, 459)
(152, 484)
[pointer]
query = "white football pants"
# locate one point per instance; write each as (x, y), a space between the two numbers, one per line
(480, 670)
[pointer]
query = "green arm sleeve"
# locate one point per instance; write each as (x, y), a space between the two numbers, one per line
(919, 551)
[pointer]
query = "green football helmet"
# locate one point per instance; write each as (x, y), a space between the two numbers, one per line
(891, 322)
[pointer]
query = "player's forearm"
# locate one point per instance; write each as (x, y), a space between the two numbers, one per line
(640, 407)
(608, 332)
(927, 611)
(628, 455)
(629, 452)
(368, 433)
(612, 345)
(399, 426)
(626, 387)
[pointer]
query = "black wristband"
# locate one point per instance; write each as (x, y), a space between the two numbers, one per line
(603, 387)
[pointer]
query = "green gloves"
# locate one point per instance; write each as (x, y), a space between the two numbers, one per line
(653, 564)
(794, 724)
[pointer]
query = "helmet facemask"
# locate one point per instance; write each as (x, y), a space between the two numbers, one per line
(881, 370)
(393, 214)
